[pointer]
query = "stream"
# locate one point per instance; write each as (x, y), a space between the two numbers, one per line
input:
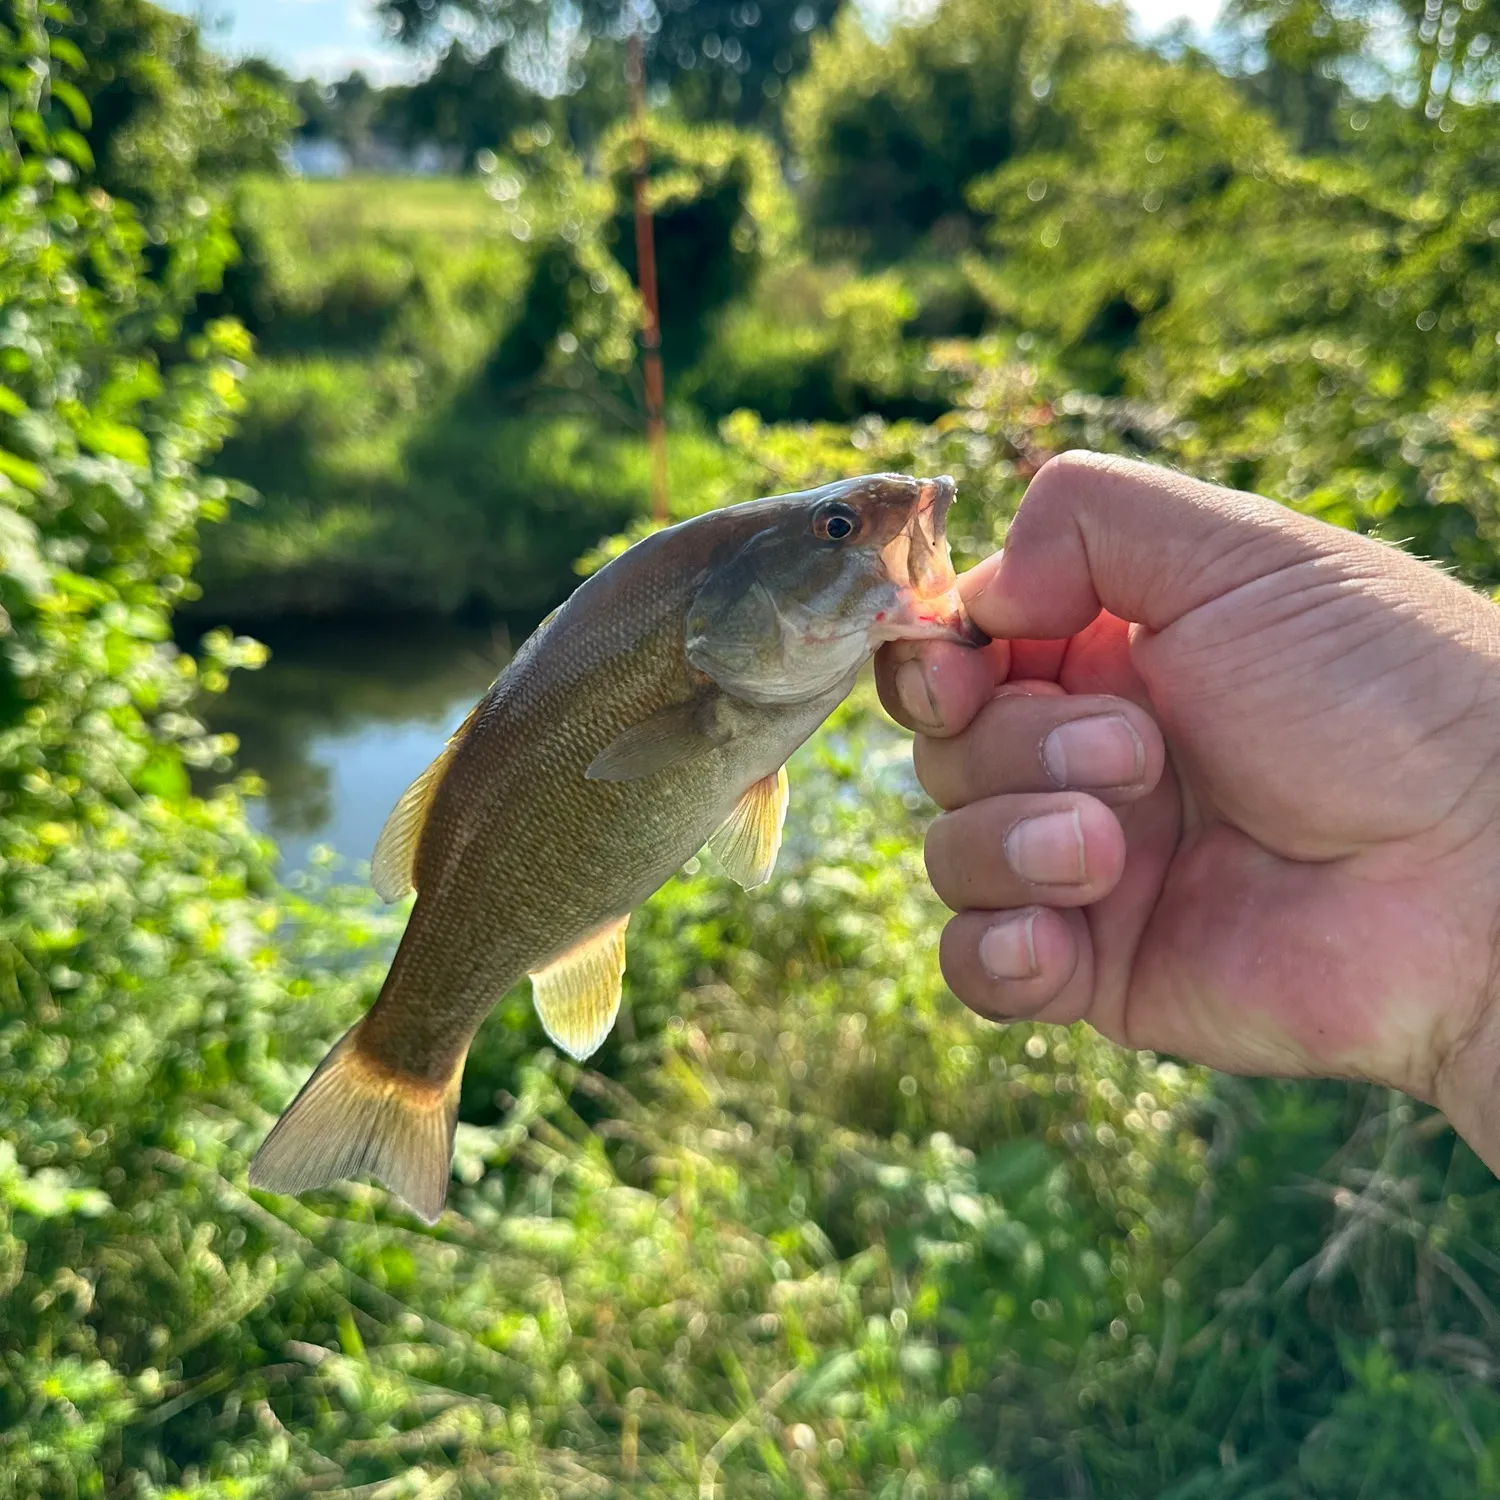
(344, 716)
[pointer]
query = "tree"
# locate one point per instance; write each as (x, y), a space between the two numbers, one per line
(1315, 62)
(891, 134)
(720, 212)
(469, 102)
(1329, 339)
(719, 59)
(165, 117)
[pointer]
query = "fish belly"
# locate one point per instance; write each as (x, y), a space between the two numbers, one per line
(512, 903)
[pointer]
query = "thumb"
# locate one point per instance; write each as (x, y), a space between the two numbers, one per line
(1147, 544)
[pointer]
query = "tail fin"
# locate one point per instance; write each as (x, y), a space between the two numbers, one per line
(355, 1117)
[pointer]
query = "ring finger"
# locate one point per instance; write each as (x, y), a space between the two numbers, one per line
(1050, 848)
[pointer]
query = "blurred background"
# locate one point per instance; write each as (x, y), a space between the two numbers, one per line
(320, 382)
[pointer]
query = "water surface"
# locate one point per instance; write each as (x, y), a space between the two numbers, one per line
(344, 716)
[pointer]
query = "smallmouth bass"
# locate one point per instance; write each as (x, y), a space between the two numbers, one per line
(652, 713)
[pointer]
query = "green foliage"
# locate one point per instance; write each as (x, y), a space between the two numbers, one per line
(415, 426)
(807, 1227)
(892, 134)
(163, 117)
(442, 417)
(720, 213)
(716, 59)
(135, 928)
(465, 104)
(1331, 338)
(815, 343)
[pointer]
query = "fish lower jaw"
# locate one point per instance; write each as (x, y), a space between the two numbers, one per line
(936, 618)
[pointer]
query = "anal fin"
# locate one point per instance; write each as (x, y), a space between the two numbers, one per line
(749, 840)
(393, 864)
(577, 995)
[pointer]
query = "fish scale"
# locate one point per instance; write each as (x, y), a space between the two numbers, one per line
(656, 706)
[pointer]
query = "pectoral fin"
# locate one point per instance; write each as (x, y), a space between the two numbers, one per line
(578, 995)
(666, 738)
(748, 841)
(393, 864)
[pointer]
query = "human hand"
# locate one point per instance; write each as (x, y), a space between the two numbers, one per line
(1226, 785)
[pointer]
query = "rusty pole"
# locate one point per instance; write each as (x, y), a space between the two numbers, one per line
(645, 259)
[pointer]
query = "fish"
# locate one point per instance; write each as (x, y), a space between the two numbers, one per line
(650, 715)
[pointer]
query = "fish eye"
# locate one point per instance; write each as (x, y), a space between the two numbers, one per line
(835, 523)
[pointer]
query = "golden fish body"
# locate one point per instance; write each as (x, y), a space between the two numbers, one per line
(651, 714)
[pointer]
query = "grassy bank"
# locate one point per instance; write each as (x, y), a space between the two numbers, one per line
(424, 431)
(397, 464)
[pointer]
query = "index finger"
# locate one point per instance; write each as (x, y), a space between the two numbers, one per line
(936, 687)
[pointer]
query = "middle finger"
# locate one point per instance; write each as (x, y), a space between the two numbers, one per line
(1058, 849)
(1043, 742)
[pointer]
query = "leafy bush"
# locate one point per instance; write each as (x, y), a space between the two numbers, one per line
(163, 117)
(720, 213)
(404, 337)
(891, 134)
(1330, 339)
(444, 417)
(136, 966)
(807, 345)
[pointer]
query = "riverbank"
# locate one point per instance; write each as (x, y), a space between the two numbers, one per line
(391, 467)
(443, 411)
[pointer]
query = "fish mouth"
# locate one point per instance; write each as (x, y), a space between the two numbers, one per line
(918, 563)
(934, 499)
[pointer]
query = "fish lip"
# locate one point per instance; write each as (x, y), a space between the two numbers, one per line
(972, 634)
(936, 610)
(929, 568)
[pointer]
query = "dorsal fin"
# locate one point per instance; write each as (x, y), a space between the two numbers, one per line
(393, 864)
(578, 995)
(749, 839)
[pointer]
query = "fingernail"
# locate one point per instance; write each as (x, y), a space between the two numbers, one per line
(915, 692)
(1008, 949)
(1048, 849)
(1103, 751)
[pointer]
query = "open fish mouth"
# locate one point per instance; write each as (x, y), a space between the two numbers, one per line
(918, 562)
(929, 566)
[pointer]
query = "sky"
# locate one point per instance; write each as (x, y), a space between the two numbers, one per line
(328, 38)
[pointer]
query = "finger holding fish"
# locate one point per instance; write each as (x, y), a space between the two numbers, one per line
(935, 688)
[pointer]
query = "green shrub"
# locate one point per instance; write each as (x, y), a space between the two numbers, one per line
(720, 214)
(426, 271)
(812, 344)
(404, 332)
(164, 118)
(137, 976)
(892, 133)
(1329, 341)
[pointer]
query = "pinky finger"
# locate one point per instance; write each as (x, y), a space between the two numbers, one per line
(1033, 963)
